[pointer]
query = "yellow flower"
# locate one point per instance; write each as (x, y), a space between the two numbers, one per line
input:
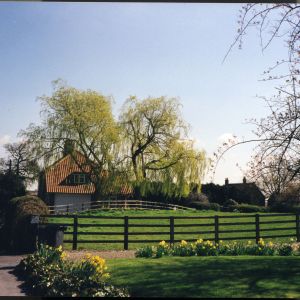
(163, 244)
(63, 255)
(183, 243)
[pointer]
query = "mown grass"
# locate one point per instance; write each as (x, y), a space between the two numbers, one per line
(162, 233)
(227, 277)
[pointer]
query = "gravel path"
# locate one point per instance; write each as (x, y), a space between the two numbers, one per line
(75, 255)
(9, 284)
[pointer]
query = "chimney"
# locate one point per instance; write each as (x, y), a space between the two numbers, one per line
(244, 180)
(226, 181)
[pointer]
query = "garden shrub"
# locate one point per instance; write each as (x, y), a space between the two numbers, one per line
(286, 201)
(182, 249)
(285, 249)
(230, 202)
(147, 251)
(209, 248)
(205, 206)
(199, 205)
(22, 234)
(197, 197)
(249, 208)
(162, 249)
(215, 206)
(48, 274)
(205, 248)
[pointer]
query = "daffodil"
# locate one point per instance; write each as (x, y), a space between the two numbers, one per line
(183, 243)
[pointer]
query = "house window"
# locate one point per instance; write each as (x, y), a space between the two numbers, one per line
(78, 178)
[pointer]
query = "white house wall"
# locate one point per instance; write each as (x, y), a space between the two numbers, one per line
(75, 202)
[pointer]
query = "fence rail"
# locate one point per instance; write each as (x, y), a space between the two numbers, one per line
(113, 204)
(171, 225)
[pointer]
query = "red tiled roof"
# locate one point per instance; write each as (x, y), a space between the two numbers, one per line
(60, 170)
(56, 173)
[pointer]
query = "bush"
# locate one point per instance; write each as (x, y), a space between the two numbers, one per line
(205, 206)
(147, 251)
(286, 201)
(285, 250)
(230, 202)
(208, 248)
(248, 208)
(199, 205)
(182, 249)
(197, 197)
(47, 273)
(215, 206)
(18, 228)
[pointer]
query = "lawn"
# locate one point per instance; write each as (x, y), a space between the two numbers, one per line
(182, 231)
(228, 277)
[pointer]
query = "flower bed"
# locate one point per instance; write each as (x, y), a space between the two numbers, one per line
(208, 248)
(49, 274)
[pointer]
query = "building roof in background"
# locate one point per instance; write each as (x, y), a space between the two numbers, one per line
(60, 170)
(56, 173)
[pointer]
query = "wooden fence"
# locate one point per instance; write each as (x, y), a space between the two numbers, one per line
(114, 204)
(171, 225)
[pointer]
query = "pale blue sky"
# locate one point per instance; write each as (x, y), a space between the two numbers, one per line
(123, 49)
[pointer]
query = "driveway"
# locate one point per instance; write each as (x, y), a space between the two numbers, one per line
(9, 284)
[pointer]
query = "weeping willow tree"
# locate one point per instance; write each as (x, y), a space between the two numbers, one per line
(158, 154)
(79, 120)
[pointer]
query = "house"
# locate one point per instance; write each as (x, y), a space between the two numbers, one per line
(67, 186)
(65, 183)
(244, 192)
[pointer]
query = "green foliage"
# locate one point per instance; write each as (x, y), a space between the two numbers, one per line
(154, 139)
(286, 201)
(10, 186)
(245, 193)
(207, 248)
(47, 273)
(77, 120)
(157, 191)
(204, 205)
(146, 251)
(182, 249)
(285, 249)
(215, 206)
(230, 202)
(18, 228)
(248, 208)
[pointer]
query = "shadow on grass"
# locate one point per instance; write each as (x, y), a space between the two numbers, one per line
(209, 277)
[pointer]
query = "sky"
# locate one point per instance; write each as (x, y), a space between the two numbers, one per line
(142, 49)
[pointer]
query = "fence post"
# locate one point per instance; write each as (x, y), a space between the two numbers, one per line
(126, 233)
(75, 232)
(216, 229)
(257, 233)
(297, 228)
(171, 230)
